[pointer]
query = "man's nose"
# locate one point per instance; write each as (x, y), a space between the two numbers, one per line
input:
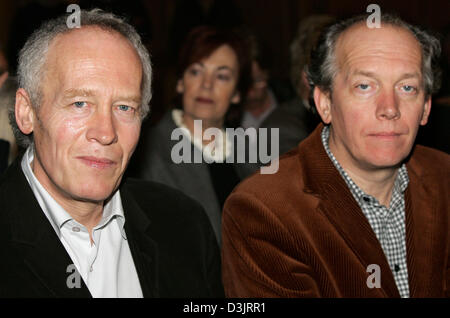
(101, 128)
(388, 106)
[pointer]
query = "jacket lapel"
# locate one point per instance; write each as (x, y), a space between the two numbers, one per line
(337, 203)
(426, 232)
(36, 241)
(346, 216)
(52, 266)
(143, 249)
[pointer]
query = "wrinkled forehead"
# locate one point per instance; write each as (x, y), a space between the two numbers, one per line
(389, 42)
(90, 41)
(92, 45)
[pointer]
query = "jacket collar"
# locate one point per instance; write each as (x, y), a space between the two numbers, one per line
(323, 180)
(143, 248)
(36, 240)
(426, 232)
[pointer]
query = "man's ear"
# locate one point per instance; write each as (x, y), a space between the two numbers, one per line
(426, 112)
(180, 86)
(323, 104)
(236, 98)
(24, 112)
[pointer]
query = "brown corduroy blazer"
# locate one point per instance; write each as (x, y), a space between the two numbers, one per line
(300, 233)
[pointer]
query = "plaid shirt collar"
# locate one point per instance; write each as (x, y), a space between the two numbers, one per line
(400, 185)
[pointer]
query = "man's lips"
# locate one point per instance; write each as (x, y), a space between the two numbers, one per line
(95, 162)
(385, 135)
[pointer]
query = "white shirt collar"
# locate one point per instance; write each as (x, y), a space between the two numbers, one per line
(217, 150)
(54, 212)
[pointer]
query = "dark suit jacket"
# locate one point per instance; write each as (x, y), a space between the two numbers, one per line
(171, 240)
(300, 233)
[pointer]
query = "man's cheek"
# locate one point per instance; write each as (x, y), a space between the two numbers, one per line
(68, 129)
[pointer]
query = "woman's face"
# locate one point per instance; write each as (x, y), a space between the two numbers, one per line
(209, 86)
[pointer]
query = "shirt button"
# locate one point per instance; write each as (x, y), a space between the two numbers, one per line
(91, 269)
(76, 229)
(396, 268)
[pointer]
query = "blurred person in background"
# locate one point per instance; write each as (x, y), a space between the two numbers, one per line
(437, 133)
(3, 66)
(295, 118)
(265, 93)
(9, 148)
(213, 78)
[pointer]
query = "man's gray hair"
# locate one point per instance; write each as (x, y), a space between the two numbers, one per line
(323, 66)
(33, 55)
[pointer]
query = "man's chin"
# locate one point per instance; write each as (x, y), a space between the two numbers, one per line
(387, 157)
(94, 195)
(388, 162)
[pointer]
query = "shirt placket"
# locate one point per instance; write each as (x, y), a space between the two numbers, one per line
(96, 235)
(398, 249)
(79, 242)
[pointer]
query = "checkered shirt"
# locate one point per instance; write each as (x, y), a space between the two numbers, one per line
(387, 223)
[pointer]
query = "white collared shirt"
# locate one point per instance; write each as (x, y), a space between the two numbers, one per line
(106, 266)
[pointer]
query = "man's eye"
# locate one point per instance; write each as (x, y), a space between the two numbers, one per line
(80, 104)
(363, 87)
(125, 108)
(408, 88)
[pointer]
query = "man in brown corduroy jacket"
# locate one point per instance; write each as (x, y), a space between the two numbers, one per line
(356, 210)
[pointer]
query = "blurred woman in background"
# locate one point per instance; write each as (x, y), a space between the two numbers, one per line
(213, 78)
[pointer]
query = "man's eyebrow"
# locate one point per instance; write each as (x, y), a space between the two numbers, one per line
(411, 75)
(75, 92)
(363, 73)
(130, 98)
(373, 75)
